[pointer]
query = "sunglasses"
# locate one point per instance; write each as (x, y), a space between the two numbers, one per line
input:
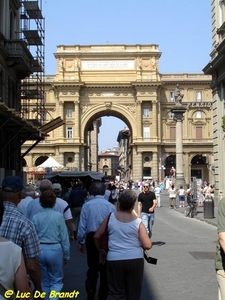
(146, 186)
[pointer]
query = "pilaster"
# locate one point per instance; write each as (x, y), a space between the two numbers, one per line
(139, 120)
(154, 124)
(155, 166)
(77, 122)
(77, 160)
(60, 113)
(137, 162)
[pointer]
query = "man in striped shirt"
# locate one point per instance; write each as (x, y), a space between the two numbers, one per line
(18, 229)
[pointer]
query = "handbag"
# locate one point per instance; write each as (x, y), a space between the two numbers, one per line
(149, 259)
(103, 242)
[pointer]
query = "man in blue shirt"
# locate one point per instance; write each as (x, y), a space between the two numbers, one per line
(93, 212)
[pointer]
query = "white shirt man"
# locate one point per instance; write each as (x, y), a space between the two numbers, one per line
(157, 194)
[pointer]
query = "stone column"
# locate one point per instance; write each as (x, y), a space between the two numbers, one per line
(178, 112)
(178, 115)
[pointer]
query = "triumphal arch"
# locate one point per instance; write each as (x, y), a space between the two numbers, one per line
(123, 81)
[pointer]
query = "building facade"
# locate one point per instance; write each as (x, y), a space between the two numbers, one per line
(20, 41)
(216, 68)
(124, 81)
(108, 162)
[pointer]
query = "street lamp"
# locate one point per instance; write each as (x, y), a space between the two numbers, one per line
(162, 168)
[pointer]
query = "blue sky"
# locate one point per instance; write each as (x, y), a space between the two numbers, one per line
(182, 29)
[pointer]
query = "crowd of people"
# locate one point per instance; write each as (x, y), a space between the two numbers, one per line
(38, 226)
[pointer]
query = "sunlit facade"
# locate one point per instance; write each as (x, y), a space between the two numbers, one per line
(124, 81)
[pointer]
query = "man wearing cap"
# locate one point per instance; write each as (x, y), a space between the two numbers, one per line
(61, 206)
(18, 229)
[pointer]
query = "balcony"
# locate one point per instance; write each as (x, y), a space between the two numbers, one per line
(19, 57)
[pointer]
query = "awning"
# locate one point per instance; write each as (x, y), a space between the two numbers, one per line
(76, 174)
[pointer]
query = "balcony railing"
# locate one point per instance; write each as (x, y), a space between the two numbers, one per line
(19, 57)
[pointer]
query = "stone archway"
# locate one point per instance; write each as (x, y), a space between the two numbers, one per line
(170, 162)
(199, 167)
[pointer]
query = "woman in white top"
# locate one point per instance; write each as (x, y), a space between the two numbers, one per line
(12, 267)
(127, 239)
(172, 196)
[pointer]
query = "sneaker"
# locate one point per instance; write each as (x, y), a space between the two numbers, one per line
(180, 206)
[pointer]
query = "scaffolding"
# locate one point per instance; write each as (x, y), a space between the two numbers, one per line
(32, 87)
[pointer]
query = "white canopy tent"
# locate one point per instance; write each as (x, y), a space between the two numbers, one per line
(50, 163)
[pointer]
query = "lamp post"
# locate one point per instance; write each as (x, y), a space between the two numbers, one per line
(178, 115)
(162, 168)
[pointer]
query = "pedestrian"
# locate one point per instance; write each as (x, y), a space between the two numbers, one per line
(93, 212)
(61, 206)
(181, 194)
(220, 250)
(18, 229)
(13, 274)
(76, 200)
(157, 192)
(28, 196)
(172, 196)
(207, 191)
(188, 194)
(146, 206)
(127, 239)
(57, 189)
(55, 246)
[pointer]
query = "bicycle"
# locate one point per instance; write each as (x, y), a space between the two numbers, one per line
(191, 209)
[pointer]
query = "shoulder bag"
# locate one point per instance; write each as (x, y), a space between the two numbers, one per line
(103, 242)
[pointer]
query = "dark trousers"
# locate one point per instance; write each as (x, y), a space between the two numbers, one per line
(94, 268)
(125, 279)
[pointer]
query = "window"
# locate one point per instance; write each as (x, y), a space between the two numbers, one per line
(172, 132)
(69, 133)
(198, 96)
(146, 159)
(221, 18)
(172, 98)
(69, 159)
(146, 172)
(69, 113)
(198, 132)
(146, 132)
(198, 114)
(146, 112)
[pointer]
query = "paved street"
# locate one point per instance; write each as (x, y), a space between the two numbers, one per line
(185, 250)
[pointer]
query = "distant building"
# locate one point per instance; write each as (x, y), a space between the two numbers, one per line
(125, 163)
(108, 162)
